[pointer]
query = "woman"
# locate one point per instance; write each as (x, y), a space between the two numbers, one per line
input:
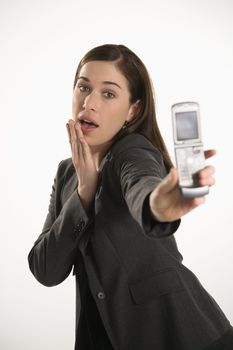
(114, 209)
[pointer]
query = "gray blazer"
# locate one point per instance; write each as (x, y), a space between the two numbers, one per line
(147, 299)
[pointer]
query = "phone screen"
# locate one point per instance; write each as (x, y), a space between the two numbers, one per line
(186, 124)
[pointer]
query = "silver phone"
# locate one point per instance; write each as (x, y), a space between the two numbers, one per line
(188, 146)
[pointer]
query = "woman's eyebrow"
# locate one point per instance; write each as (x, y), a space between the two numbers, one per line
(111, 83)
(107, 82)
(84, 78)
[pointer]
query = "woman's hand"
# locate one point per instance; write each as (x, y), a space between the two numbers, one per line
(83, 162)
(166, 201)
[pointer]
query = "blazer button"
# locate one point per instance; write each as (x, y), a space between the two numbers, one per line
(101, 295)
(79, 226)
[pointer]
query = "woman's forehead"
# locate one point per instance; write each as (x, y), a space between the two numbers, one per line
(102, 71)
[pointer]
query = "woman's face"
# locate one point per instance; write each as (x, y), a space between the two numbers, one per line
(101, 102)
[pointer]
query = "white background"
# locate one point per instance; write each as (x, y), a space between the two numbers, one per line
(187, 46)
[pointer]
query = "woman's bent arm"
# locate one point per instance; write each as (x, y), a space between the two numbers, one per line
(54, 252)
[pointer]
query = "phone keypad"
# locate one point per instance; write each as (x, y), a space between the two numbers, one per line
(189, 161)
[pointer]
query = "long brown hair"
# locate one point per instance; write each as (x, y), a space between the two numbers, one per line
(140, 87)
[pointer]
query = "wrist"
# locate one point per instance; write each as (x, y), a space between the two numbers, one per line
(87, 190)
(85, 198)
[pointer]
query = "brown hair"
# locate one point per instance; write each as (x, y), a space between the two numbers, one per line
(140, 87)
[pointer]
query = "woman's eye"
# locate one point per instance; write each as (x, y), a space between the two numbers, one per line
(84, 88)
(109, 94)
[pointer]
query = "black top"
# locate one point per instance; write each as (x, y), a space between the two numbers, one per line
(92, 332)
(224, 343)
(134, 275)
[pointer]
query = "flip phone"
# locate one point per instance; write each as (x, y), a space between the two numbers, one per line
(188, 147)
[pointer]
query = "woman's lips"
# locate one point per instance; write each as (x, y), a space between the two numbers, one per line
(86, 122)
(87, 125)
(85, 118)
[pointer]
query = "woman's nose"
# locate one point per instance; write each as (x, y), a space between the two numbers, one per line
(91, 102)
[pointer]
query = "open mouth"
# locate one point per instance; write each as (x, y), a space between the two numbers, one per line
(87, 124)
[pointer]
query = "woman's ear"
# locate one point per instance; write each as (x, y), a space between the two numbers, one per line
(134, 110)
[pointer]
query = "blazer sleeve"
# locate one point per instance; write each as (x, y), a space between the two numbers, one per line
(140, 168)
(52, 256)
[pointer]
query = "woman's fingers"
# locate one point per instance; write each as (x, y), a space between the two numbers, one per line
(74, 142)
(78, 130)
(81, 152)
(71, 132)
(83, 163)
(166, 201)
(210, 153)
(83, 148)
(206, 176)
(68, 131)
(73, 136)
(169, 182)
